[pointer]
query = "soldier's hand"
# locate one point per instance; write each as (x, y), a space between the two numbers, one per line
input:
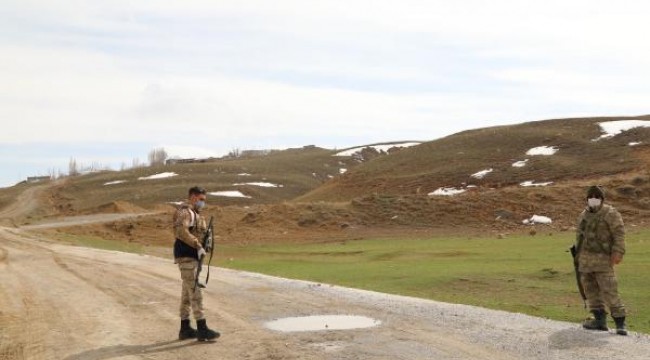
(616, 259)
(201, 253)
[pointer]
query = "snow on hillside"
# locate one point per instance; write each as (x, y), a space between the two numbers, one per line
(613, 128)
(537, 219)
(519, 164)
(481, 174)
(446, 191)
(542, 150)
(231, 193)
(158, 176)
(532, 183)
(115, 182)
(380, 148)
(261, 184)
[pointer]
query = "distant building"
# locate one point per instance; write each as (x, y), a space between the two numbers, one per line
(187, 161)
(254, 153)
(35, 179)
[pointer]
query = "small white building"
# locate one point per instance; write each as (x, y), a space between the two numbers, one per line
(35, 179)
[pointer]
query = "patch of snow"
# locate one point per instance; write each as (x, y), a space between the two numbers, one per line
(635, 143)
(531, 183)
(537, 219)
(613, 128)
(343, 171)
(233, 193)
(446, 192)
(115, 182)
(158, 176)
(244, 174)
(379, 148)
(262, 184)
(481, 174)
(520, 163)
(542, 150)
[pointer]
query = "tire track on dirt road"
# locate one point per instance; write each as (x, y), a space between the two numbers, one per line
(101, 309)
(44, 300)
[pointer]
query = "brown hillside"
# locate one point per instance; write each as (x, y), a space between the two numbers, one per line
(493, 212)
(378, 195)
(293, 171)
(450, 162)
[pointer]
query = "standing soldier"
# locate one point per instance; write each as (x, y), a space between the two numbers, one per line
(189, 227)
(600, 242)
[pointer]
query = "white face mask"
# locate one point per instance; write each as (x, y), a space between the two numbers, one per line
(594, 202)
(199, 205)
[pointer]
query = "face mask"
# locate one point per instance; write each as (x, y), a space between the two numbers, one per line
(594, 202)
(199, 205)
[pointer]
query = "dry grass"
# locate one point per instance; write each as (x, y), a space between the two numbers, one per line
(450, 161)
(296, 170)
(385, 194)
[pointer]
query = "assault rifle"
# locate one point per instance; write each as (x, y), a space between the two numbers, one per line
(574, 253)
(208, 245)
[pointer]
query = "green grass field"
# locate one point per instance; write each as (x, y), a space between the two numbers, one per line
(527, 274)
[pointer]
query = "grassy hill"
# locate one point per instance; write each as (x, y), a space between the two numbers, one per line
(313, 199)
(287, 174)
(450, 162)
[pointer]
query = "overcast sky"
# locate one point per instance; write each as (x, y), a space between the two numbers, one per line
(107, 81)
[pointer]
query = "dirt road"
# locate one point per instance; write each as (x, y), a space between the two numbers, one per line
(72, 303)
(25, 203)
(64, 302)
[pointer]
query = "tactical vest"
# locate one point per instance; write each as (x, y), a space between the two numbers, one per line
(596, 236)
(181, 249)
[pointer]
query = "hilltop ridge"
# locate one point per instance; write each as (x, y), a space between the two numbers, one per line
(484, 181)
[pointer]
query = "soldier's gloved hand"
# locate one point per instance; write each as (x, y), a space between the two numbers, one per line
(201, 253)
(616, 259)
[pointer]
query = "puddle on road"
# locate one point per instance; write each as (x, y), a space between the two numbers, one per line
(321, 323)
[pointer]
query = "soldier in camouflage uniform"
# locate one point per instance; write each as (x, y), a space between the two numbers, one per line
(189, 228)
(600, 242)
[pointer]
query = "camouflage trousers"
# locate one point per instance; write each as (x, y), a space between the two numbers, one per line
(601, 289)
(191, 299)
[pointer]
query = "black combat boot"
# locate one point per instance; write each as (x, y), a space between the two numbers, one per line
(599, 322)
(620, 325)
(203, 333)
(186, 332)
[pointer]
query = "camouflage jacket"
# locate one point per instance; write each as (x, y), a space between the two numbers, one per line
(189, 226)
(599, 234)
